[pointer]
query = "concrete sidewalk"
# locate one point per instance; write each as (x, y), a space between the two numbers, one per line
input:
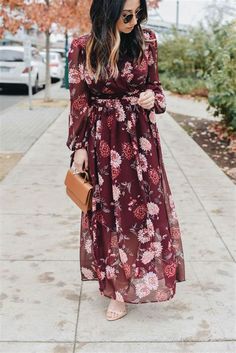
(189, 106)
(21, 127)
(46, 308)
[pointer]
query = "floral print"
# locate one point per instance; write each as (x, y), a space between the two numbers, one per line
(130, 241)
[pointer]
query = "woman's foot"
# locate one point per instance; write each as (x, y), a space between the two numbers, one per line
(116, 310)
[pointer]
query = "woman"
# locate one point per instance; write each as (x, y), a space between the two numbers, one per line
(130, 241)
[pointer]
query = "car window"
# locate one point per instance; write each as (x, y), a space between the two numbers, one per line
(11, 55)
(53, 56)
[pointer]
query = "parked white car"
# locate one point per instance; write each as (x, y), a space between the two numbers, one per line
(13, 70)
(56, 65)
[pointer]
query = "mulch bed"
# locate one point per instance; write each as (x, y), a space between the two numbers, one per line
(214, 139)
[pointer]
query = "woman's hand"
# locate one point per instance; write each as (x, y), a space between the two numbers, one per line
(80, 159)
(147, 99)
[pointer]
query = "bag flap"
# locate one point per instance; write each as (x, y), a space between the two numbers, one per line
(78, 186)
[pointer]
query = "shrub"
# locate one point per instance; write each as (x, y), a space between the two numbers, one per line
(184, 85)
(220, 75)
(202, 62)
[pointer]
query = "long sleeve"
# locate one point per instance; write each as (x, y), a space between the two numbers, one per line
(153, 81)
(79, 98)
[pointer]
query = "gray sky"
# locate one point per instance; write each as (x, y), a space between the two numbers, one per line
(190, 11)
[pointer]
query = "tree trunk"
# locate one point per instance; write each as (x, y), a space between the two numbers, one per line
(47, 97)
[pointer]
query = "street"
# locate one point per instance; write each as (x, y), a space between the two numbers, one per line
(13, 95)
(9, 98)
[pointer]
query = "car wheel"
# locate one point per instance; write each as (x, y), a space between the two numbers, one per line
(36, 85)
(54, 79)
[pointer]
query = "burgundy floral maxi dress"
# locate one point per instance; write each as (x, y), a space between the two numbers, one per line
(130, 241)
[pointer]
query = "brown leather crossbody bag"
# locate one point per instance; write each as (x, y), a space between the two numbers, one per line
(79, 188)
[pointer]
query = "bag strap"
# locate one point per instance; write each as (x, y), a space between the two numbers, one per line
(72, 158)
(71, 162)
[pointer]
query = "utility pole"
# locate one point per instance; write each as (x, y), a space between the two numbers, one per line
(177, 14)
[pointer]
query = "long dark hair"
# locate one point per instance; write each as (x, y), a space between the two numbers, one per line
(106, 44)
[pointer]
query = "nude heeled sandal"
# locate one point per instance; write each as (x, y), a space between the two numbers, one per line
(113, 314)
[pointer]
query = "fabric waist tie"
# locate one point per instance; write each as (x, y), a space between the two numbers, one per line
(131, 98)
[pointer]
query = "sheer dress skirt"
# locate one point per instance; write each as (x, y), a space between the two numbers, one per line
(130, 241)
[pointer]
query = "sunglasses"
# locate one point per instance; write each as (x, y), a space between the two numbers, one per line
(128, 18)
